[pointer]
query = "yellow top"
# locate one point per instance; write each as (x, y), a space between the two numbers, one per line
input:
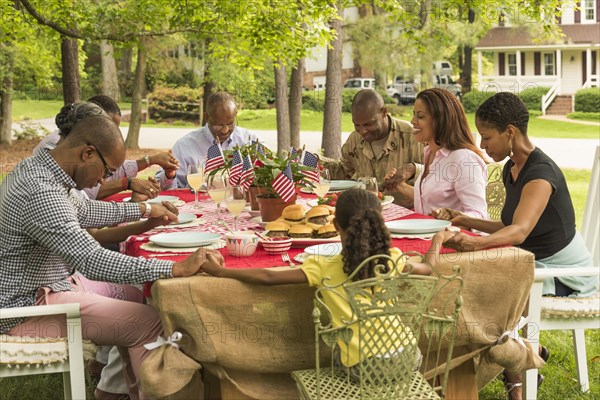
(318, 267)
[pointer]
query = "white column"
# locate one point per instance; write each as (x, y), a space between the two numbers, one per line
(559, 70)
(479, 70)
(588, 64)
(518, 57)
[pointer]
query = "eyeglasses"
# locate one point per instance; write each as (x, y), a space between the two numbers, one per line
(109, 172)
(220, 127)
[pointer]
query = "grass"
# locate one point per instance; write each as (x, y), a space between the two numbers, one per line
(313, 121)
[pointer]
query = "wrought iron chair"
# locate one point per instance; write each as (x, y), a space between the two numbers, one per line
(21, 356)
(495, 193)
(390, 320)
(574, 314)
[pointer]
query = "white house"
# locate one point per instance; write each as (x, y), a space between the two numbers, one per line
(565, 65)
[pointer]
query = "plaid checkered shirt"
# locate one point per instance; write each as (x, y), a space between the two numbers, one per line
(42, 224)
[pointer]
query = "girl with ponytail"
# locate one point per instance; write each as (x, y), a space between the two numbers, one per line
(363, 234)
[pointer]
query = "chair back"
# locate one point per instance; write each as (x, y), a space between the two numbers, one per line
(495, 193)
(590, 227)
(388, 315)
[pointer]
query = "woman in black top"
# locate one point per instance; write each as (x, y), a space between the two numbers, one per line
(538, 214)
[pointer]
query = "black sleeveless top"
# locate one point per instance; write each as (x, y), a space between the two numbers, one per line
(556, 226)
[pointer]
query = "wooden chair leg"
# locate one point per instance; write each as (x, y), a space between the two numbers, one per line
(580, 359)
(462, 383)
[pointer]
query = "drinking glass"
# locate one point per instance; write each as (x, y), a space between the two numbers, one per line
(216, 186)
(195, 178)
(323, 185)
(369, 184)
(235, 202)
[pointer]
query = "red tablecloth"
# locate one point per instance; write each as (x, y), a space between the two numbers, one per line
(260, 259)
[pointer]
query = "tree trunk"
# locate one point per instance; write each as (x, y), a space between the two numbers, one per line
(125, 67)
(209, 85)
(281, 107)
(110, 81)
(332, 115)
(139, 85)
(467, 71)
(6, 95)
(70, 70)
(295, 102)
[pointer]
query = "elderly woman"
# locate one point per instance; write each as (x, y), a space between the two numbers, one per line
(538, 214)
(454, 174)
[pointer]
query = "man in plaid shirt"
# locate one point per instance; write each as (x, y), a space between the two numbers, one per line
(41, 223)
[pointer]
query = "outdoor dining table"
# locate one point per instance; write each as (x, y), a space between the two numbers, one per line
(251, 337)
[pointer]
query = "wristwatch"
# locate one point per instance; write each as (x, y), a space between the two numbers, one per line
(148, 210)
(147, 159)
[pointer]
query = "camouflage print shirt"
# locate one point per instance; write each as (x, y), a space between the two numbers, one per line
(358, 159)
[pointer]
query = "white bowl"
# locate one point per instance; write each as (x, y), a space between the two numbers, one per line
(276, 245)
(241, 243)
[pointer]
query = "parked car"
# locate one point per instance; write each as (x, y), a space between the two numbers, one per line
(359, 83)
(403, 92)
(446, 82)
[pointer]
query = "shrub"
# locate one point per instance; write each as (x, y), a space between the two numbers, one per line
(313, 100)
(473, 99)
(586, 116)
(30, 130)
(181, 103)
(532, 97)
(587, 100)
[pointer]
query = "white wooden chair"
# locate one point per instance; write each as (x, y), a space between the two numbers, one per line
(551, 313)
(21, 356)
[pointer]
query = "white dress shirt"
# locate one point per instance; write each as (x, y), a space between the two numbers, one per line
(193, 147)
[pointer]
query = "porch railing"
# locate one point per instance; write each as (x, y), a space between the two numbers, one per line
(549, 97)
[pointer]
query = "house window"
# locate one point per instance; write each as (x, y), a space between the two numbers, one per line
(549, 64)
(512, 64)
(588, 11)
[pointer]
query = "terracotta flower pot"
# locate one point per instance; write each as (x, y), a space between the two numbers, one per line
(271, 207)
(253, 191)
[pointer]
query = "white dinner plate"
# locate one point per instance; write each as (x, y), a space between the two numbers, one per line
(185, 239)
(336, 186)
(387, 200)
(325, 249)
(126, 199)
(160, 199)
(253, 213)
(184, 218)
(417, 225)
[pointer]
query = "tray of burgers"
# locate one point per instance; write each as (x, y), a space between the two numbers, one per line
(305, 228)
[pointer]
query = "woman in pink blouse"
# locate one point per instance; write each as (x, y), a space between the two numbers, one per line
(455, 172)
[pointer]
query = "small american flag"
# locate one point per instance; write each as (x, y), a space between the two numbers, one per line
(260, 149)
(236, 168)
(293, 153)
(284, 184)
(247, 176)
(310, 160)
(214, 158)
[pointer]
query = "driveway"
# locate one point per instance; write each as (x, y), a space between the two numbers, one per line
(567, 153)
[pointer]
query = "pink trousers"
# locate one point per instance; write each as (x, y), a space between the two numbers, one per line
(111, 314)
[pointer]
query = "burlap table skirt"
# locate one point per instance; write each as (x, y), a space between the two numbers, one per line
(252, 337)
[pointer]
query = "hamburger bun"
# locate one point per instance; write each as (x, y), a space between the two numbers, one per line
(300, 231)
(329, 208)
(277, 229)
(317, 217)
(327, 231)
(294, 214)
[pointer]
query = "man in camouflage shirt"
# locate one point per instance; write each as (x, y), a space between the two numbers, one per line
(378, 144)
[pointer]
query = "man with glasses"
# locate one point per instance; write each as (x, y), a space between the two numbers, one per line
(44, 245)
(221, 128)
(378, 144)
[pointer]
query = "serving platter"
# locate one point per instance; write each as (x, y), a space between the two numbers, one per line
(185, 239)
(417, 225)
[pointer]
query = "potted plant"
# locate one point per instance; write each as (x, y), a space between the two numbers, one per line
(267, 166)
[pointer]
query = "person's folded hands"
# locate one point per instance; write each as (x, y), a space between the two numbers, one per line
(144, 189)
(166, 160)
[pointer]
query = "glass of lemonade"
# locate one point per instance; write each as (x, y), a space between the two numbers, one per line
(323, 185)
(195, 178)
(369, 184)
(235, 202)
(216, 185)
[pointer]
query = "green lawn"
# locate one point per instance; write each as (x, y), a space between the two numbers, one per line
(313, 121)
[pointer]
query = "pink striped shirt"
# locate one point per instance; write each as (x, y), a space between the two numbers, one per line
(456, 180)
